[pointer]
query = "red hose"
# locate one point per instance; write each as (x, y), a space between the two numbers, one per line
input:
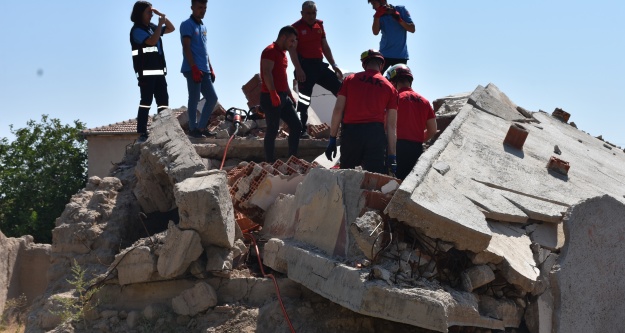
(286, 316)
(223, 160)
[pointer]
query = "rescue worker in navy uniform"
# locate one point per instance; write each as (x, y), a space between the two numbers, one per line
(361, 106)
(307, 58)
(148, 60)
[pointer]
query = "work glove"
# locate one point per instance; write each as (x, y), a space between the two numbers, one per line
(212, 74)
(331, 149)
(396, 16)
(380, 11)
(392, 164)
(196, 74)
(275, 99)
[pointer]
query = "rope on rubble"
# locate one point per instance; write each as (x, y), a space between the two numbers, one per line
(286, 316)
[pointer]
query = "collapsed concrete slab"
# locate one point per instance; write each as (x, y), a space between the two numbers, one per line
(490, 99)
(429, 306)
(588, 285)
(204, 205)
(167, 158)
(137, 265)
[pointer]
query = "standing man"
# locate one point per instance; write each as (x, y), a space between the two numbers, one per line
(197, 69)
(393, 21)
(148, 60)
(275, 97)
(416, 121)
(360, 107)
(307, 59)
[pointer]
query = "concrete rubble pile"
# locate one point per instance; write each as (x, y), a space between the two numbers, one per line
(494, 230)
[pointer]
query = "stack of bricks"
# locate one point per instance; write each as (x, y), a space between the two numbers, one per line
(245, 179)
(319, 131)
(252, 91)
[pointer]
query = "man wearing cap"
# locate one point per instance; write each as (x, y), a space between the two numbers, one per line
(361, 105)
(394, 22)
(307, 59)
(416, 121)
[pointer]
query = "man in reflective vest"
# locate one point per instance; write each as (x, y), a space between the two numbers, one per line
(148, 60)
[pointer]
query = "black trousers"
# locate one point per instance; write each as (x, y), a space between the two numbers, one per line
(365, 145)
(153, 86)
(408, 152)
(317, 72)
(286, 112)
(388, 62)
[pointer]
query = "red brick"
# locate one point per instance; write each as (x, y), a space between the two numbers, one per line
(251, 84)
(561, 115)
(558, 165)
(516, 136)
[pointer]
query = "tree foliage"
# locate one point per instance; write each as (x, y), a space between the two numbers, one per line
(39, 171)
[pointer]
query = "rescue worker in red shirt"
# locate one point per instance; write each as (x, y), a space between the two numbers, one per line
(275, 97)
(360, 110)
(416, 121)
(307, 59)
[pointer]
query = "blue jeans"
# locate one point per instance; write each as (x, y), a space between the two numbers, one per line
(208, 91)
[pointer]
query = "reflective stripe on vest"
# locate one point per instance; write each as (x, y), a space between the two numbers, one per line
(145, 50)
(154, 72)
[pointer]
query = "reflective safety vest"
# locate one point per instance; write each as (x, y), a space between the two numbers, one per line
(145, 58)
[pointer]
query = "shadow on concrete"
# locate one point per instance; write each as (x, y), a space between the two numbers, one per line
(559, 176)
(511, 150)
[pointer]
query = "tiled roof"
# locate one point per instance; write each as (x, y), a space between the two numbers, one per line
(123, 127)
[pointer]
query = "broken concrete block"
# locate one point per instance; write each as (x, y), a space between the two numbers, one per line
(325, 201)
(271, 186)
(441, 167)
(195, 300)
(382, 274)
(280, 218)
(593, 228)
(155, 311)
(476, 277)
(503, 309)
(167, 158)
(539, 314)
(518, 265)
(205, 205)
(180, 250)
(219, 260)
(133, 319)
(548, 235)
(366, 231)
(136, 265)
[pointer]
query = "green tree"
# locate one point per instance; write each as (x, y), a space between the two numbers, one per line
(39, 171)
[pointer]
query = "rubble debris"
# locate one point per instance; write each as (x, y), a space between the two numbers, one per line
(557, 150)
(205, 206)
(181, 248)
(195, 300)
(561, 115)
(491, 100)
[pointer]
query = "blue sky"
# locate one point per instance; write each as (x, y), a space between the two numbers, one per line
(542, 54)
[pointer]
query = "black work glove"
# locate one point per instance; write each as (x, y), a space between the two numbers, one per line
(392, 164)
(331, 149)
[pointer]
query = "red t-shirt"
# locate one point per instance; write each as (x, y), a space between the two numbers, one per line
(413, 112)
(309, 39)
(368, 94)
(280, 63)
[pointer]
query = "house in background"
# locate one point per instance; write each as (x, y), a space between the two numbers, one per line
(106, 145)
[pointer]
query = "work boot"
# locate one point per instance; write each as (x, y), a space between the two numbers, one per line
(196, 133)
(142, 137)
(304, 134)
(208, 134)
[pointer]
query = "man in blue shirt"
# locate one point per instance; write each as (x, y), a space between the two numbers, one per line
(148, 60)
(197, 69)
(394, 22)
